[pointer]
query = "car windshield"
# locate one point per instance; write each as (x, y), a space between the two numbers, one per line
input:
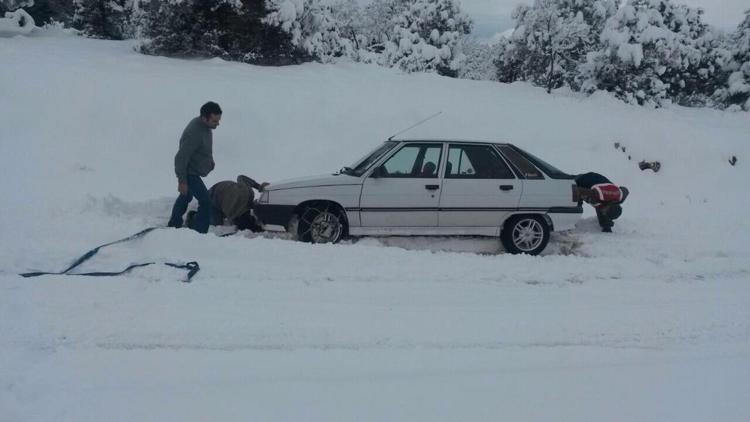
(547, 168)
(362, 165)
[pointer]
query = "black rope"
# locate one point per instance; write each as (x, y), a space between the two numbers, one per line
(192, 266)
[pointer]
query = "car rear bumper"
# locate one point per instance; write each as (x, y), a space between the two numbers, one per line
(565, 218)
(278, 215)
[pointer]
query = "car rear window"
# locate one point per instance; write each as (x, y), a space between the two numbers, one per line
(547, 168)
(522, 165)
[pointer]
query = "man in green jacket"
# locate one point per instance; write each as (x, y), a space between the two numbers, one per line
(233, 201)
(194, 160)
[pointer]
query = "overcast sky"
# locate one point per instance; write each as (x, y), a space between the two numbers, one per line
(492, 16)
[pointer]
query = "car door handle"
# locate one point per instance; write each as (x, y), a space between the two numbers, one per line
(506, 187)
(432, 187)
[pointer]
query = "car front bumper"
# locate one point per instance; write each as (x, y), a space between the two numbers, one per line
(278, 215)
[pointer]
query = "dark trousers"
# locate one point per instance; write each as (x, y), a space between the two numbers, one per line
(605, 222)
(197, 190)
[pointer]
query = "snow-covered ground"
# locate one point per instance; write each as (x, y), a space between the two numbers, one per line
(650, 323)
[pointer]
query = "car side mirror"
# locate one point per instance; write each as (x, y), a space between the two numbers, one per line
(378, 172)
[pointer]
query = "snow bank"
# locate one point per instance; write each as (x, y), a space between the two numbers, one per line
(15, 23)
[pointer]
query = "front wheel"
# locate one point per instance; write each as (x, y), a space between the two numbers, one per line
(527, 234)
(320, 224)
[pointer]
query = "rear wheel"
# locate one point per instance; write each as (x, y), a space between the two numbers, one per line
(527, 234)
(320, 223)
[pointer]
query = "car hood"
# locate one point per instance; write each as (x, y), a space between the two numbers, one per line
(314, 181)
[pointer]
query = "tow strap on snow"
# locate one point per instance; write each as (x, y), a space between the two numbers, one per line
(192, 266)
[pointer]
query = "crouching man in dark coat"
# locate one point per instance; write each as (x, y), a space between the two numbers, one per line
(603, 195)
(233, 201)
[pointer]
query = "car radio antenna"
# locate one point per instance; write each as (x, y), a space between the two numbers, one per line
(415, 125)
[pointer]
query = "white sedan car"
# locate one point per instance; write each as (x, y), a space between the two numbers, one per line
(430, 187)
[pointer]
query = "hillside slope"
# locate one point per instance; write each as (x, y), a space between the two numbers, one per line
(648, 323)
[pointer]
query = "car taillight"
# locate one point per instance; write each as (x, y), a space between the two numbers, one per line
(576, 194)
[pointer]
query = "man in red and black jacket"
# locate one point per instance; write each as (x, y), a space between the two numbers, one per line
(604, 195)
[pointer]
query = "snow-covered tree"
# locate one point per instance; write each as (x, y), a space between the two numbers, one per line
(424, 36)
(377, 22)
(551, 40)
(348, 15)
(595, 14)
(509, 62)
(696, 84)
(325, 29)
(107, 19)
(736, 91)
(478, 59)
(653, 51)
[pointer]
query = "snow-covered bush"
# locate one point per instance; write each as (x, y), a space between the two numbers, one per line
(17, 22)
(43, 11)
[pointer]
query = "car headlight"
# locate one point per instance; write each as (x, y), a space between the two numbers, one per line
(264, 197)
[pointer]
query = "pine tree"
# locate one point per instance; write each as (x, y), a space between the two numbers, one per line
(108, 19)
(230, 29)
(735, 92)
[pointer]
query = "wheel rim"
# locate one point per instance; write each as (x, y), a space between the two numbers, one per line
(528, 234)
(325, 227)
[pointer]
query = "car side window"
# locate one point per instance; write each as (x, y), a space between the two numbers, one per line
(476, 162)
(414, 160)
(524, 166)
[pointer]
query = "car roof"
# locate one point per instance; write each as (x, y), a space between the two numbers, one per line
(456, 141)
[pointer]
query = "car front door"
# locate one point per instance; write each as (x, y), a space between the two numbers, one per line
(405, 190)
(479, 189)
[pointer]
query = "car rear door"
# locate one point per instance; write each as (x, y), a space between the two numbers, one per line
(479, 189)
(536, 188)
(405, 190)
